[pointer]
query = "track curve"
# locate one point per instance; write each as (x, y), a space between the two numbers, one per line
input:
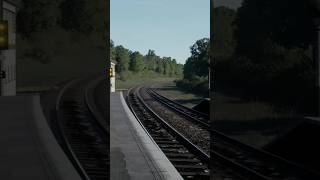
(257, 163)
(84, 138)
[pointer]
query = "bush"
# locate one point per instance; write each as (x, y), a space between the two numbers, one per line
(198, 85)
(288, 78)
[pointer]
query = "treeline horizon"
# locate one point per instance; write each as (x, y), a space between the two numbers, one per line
(135, 62)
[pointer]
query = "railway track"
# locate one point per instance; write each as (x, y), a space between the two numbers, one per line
(190, 161)
(257, 163)
(196, 116)
(83, 138)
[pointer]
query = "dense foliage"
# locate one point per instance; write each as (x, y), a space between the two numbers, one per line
(262, 50)
(267, 55)
(135, 62)
(70, 15)
(59, 39)
(44, 27)
(196, 69)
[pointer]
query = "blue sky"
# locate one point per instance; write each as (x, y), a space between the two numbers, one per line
(169, 27)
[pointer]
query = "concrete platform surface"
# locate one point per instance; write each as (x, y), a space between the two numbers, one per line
(315, 120)
(28, 147)
(133, 154)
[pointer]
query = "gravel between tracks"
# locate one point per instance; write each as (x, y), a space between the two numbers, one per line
(196, 134)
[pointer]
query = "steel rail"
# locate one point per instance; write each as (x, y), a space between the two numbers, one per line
(80, 156)
(241, 170)
(181, 109)
(62, 136)
(220, 137)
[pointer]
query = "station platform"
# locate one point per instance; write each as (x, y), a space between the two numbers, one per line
(315, 120)
(28, 147)
(133, 153)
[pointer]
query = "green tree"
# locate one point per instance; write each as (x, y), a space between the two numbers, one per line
(258, 21)
(159, 65)
(188, 69)
(76, 16)
(122, 58)
(179, 69)
(166, 65)
(36, 16)
(200, 57)
(198, 63)
(136, 62)
(223, 30)
(173, 66)
(151, 60)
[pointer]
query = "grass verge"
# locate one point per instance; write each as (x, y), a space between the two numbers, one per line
(135, 79)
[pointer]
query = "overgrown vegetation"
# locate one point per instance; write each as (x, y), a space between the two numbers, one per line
(263, 51)
(59, 39)
(196, 69)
